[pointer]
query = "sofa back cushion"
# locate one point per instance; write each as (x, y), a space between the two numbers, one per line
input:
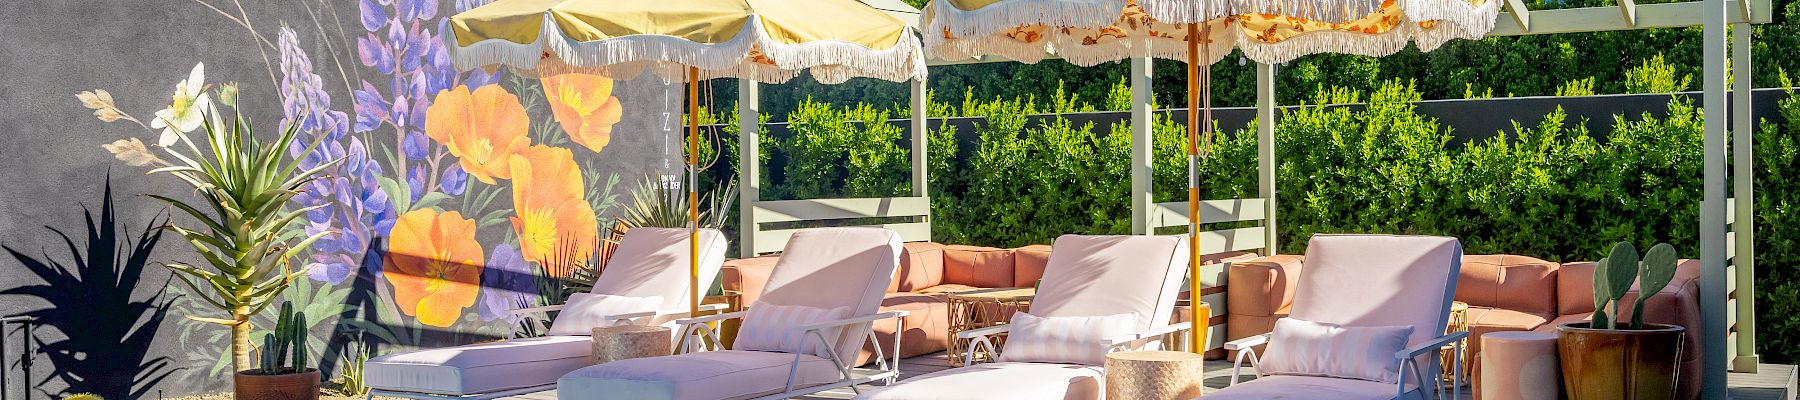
(1028, 264)
(921, 266)
(986, 267)
(1517, 283)
(1575, 288)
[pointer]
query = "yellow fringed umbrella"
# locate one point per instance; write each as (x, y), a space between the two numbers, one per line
(1200, 32)
(763, 40)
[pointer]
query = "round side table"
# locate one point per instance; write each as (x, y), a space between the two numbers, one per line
(1154, 375)
(613, 343)
(1520, 366)
(976, 309)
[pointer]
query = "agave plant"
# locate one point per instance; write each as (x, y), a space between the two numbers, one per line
(656, 205)
(244, 186)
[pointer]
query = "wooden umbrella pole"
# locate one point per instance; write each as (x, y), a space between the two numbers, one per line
(693, 95)
(1196, 334)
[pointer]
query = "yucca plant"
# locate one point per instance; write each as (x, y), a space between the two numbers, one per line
(655, 205)
(242, 216)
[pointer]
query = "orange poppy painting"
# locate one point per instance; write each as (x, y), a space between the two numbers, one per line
(484, 128)
(553, 220)
(583, 103)
(435, 265)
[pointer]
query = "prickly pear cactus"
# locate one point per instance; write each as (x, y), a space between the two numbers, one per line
(1657, 270)
(1616, 272)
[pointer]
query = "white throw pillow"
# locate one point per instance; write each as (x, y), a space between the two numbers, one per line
(1071, 340)
(1298, 347)
(774, 327)
(586, 311)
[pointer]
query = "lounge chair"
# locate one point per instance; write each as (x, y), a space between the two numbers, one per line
(1086, 276)
(649, 262)
(1359, 287)
(840, 270)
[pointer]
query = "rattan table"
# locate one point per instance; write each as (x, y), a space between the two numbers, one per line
(1459, 322)
(1154, 375)
(981, 308)
(613, 343)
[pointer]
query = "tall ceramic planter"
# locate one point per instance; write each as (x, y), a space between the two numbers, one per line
(248, 385)
(1619, 364)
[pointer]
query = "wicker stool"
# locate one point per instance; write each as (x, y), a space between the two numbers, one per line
(1519, 366)
(1154, 375)
(613, 343)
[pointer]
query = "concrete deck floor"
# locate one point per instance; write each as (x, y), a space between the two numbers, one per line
(1771, 382)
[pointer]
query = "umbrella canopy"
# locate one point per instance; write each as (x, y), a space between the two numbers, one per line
(763, 40)
(1089, 32)
(1200, 32)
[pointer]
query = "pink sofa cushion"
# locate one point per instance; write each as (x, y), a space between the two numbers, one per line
(921, 266)
(654, 262)
(1105, 275)
(836, 267)
(1299, 347)
(1001, 381)
(1575, 288)
(977, 266)
(708, 375)
(1028, 264)
(1508, 281)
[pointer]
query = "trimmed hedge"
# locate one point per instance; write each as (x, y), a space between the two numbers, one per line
(1550, 189)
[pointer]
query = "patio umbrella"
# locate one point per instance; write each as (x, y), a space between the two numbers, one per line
(1200, 32)
(764, 40)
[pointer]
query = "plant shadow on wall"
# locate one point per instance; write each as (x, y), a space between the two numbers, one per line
(106, 329)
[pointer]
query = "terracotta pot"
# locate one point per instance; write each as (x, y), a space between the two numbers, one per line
(249, 385)
(1619, 364)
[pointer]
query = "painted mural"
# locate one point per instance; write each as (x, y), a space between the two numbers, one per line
(460, 197)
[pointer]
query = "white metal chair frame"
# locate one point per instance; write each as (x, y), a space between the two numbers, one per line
(531, 313)
(887, 365)
(979, 342)
(1408, 359)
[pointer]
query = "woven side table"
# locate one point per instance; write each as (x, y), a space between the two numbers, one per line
(613, 343)
(1459, 322)
(1154, 375)
(976, 309)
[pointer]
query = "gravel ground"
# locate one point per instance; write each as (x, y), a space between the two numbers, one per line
(330, 393)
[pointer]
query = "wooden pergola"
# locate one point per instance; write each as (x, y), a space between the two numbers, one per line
(1727, 234)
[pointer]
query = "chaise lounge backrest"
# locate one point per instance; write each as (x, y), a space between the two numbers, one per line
(1380, 280)
(642, 266)
(1091, 276)
(836, 267)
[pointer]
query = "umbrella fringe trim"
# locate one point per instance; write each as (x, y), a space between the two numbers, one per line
(1004, 16)
(1192, 11)
(625, 57)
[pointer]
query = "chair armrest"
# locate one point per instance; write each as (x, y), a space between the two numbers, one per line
(1247, 342)
(855, 320)
(975, 333)
(659, 313)
(710, 318)
(1429, 346)
(529, 310)
(1116, 341)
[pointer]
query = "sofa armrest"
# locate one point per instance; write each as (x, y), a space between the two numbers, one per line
(747, 276)
(1258, 292)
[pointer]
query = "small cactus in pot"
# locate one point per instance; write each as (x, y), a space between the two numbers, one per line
(1611, 357)
(283, 372)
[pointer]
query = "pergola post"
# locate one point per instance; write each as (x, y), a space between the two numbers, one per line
(1142, 156)
(1265, 152)
(1743, 194)
(1713, 310)
(749, 169)
(920, 181)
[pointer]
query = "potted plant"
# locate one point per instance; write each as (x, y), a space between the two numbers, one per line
(1605, 358)
(280, 377)
(242, 222)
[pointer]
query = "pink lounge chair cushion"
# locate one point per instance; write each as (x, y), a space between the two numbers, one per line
(1091, 276)
(586, 311)
(771, 327)
(1380, 280)
(1307, 387)
(836, 267)
(654, 262)
(710, 375)
(1000, 381)
(1067, 340)
(480, 368)
(1299, 347)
